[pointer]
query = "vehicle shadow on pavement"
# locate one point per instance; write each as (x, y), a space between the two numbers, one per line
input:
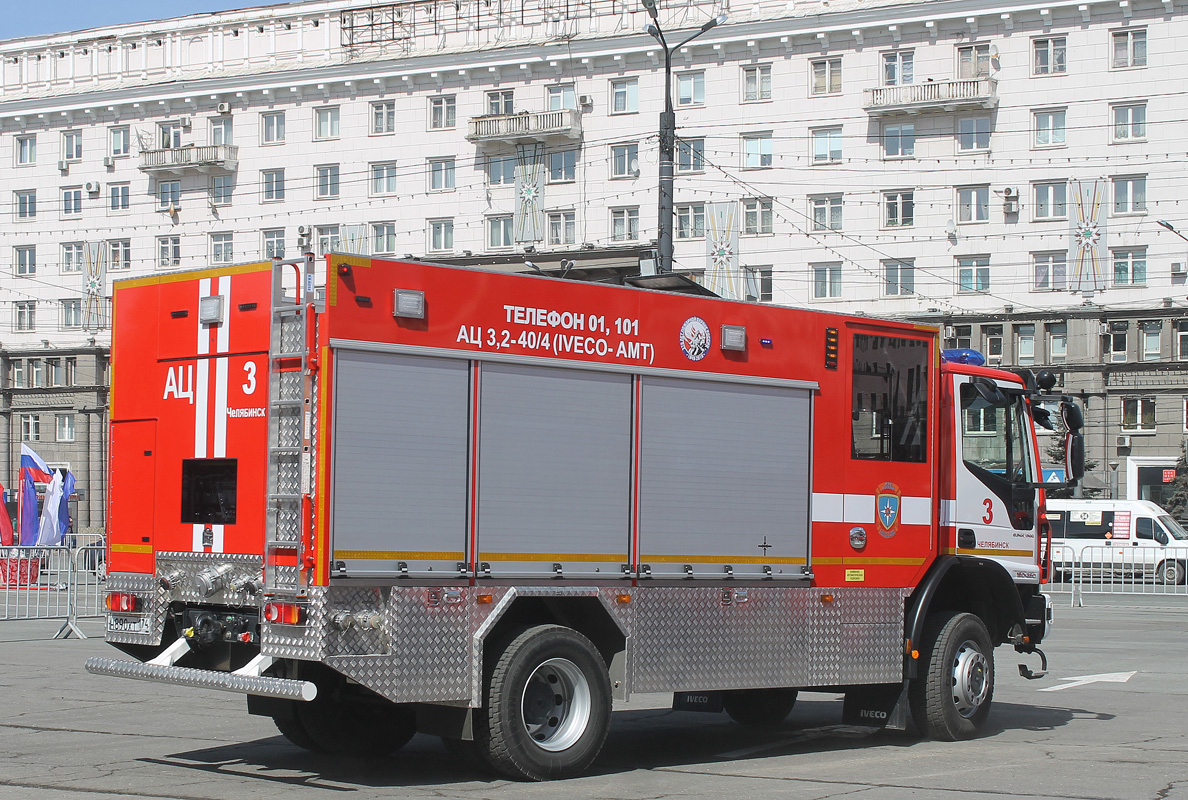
(639, 740)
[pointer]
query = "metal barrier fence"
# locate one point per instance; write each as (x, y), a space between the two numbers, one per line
(62, 582)
(1123, 570)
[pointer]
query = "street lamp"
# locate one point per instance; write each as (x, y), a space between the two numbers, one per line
(668, 132)
(1165, 224)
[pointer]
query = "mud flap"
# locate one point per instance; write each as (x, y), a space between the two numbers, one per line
(697, 701)
(881, 706)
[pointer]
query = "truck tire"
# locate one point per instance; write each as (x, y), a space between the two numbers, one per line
(951, 698)
(292, 729)
(547, 705)
(759, 708)
(349, 727)
(1170, 572)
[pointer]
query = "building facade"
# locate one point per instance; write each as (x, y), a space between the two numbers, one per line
(995, 168)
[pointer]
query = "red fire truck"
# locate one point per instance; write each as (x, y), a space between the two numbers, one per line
(484, 506)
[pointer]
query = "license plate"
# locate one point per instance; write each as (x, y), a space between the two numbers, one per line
(137, 624)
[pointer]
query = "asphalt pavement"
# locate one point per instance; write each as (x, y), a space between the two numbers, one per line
(1109, 721)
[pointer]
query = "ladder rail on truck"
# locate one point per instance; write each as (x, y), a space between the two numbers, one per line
(496, 503)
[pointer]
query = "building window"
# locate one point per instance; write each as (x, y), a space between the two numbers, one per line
(26, 204)
(329, 240)
(383, 178)
(1151, 333)
(1130, 122)
(899, 141)
(561, 97)
(827, 146)
(71, 371)
(624, 96)
(442, 112)
(273, 126)
(1049, 200)
(973, 204)
(274, 243)
(1182, 340)
(16, 374)
(26, 315)
(973, 61)
(1130, 267)
(1130, 49)
(625, 161)
(383, 116)
(898, 68)
(690, 155)
(756, 83)
(1050, 56)
(973, 274)
(72, 257)
(65, 427)
(826, 281)
(624, 224)
(35, 373)
(121, 254)
(899, 278)
(1130, 195)
(72, 145)
(170, 135)
(562, 227)
(119, 197)
(1050, 270)
(72, 314)
(992, 343)
(274, 184)
(1057, 342)
(501, 170)
(981, 420)
(758, 284)
(827, 213)
(72, 201)
(756, 150)
(327, 185)
(1113, 343)
(168, 251)
(121, 141)
(53, 372)
(1025, 345)
(221, 189)
(690, 221)
(221, 131)
(499, 232)
(757, 215)
(221, 248)
(1138, 414)
(562, 166)
(326, 123)
(26, 150)
(26, 260)
(690, 88)
(899, 209)
(168, 195)
(1050, 128)
(973, 133)
(441, 234)
(826, 76)
(441, 175)
(501, 102)
(961, 338)
(383, 237)
(30, 428)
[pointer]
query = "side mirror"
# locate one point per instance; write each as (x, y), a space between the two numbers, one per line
(989, 391)
(1074, 457)
(1070, 414)
(1161, 537)
(1042, 416)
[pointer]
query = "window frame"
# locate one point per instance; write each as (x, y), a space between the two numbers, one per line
(1132, 257)
(505, 223)
(899, 197)
(982, 202)
(387, 181)
(24, 316)
(832, 68)
(24, 260)
(697, 93)
(68, 435)
(168, 251)
(629, 216)
(25, 203)
(168, 194)
(19, 149)
(826, 213)
(119, 254)
(72, 201)
(222, 195)
(761, 211)
(447, 231)
(764, 159)
(832, 271)
(973, 274)
(268, 238)
(119, 198)
(974, 137)
(272, 181)
(1131, 36)
(629, 152)
(1058, 210)
(501, 102)
(1036, 144)
(900, 267)
(444, 168)
(690, 155)
(897, 67)
(1133, 206)
(1140, 414)
(72, 145)
(276, 121)
(690, 221)
(443, 112)
(383, 118)
(762, 83)
(1054, 65)
(333, 119)
(901, 154)
(568, 169)
(829, 136)
(124, 132)
(976, 50)
(1130, 124)
(73, 257)
(563, 222)
(386, 245)
(327, 181)
(222, 247)
(629, 95)
(70, 311)
(1047, 259)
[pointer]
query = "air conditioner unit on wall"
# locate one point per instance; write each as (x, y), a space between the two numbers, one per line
(585, 100)
(1124, 441)
(224, 108)
(184, 122)
(108, 161)
(1177, 268)
(91, 187)
(1010, 200)
(303, 230)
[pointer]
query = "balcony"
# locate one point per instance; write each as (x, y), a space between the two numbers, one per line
(528, 126)
(959, 95)
(199, 158)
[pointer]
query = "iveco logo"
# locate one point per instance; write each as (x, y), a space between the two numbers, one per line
(872, 714)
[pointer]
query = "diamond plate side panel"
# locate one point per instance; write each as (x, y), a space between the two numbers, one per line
(355, 640)
(184, 569)
(306, 642)
(147, 587)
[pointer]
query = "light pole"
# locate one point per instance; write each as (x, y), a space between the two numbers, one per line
(668, 133)
(1165, 224)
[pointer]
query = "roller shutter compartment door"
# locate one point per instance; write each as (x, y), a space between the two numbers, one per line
(401, 432)
(724, 479)
(554, 471)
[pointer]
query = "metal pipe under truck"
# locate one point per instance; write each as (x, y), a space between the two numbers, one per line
(484, 506)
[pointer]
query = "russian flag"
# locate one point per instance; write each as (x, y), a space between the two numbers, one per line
(33, 469)
(32, 462)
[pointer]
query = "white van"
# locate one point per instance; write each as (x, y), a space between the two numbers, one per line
(1134, 538)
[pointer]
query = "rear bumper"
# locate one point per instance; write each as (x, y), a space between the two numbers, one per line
(245, 681)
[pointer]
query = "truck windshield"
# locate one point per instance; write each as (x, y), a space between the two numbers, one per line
(1174, 528)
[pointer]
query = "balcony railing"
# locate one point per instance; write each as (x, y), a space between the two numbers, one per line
(190, 157)
(933, 96)
(531, 125)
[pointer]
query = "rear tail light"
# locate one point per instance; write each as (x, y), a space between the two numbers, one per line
(284, 613)
(123, 602)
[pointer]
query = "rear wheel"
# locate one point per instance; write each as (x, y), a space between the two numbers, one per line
(950, 699)
(759, 708)
(548, 705)
(1170, 573)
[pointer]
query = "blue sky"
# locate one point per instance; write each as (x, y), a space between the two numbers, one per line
(55, 16)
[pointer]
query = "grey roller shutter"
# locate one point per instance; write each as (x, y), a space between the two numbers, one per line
(554, 470)
(401, 427)
(724, 473)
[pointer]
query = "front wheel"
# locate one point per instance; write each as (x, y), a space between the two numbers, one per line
(548, 705)
(950, 698)
(1170, 573)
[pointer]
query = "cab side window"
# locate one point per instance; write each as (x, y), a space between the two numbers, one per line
(889, 402)
(1144, 528)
